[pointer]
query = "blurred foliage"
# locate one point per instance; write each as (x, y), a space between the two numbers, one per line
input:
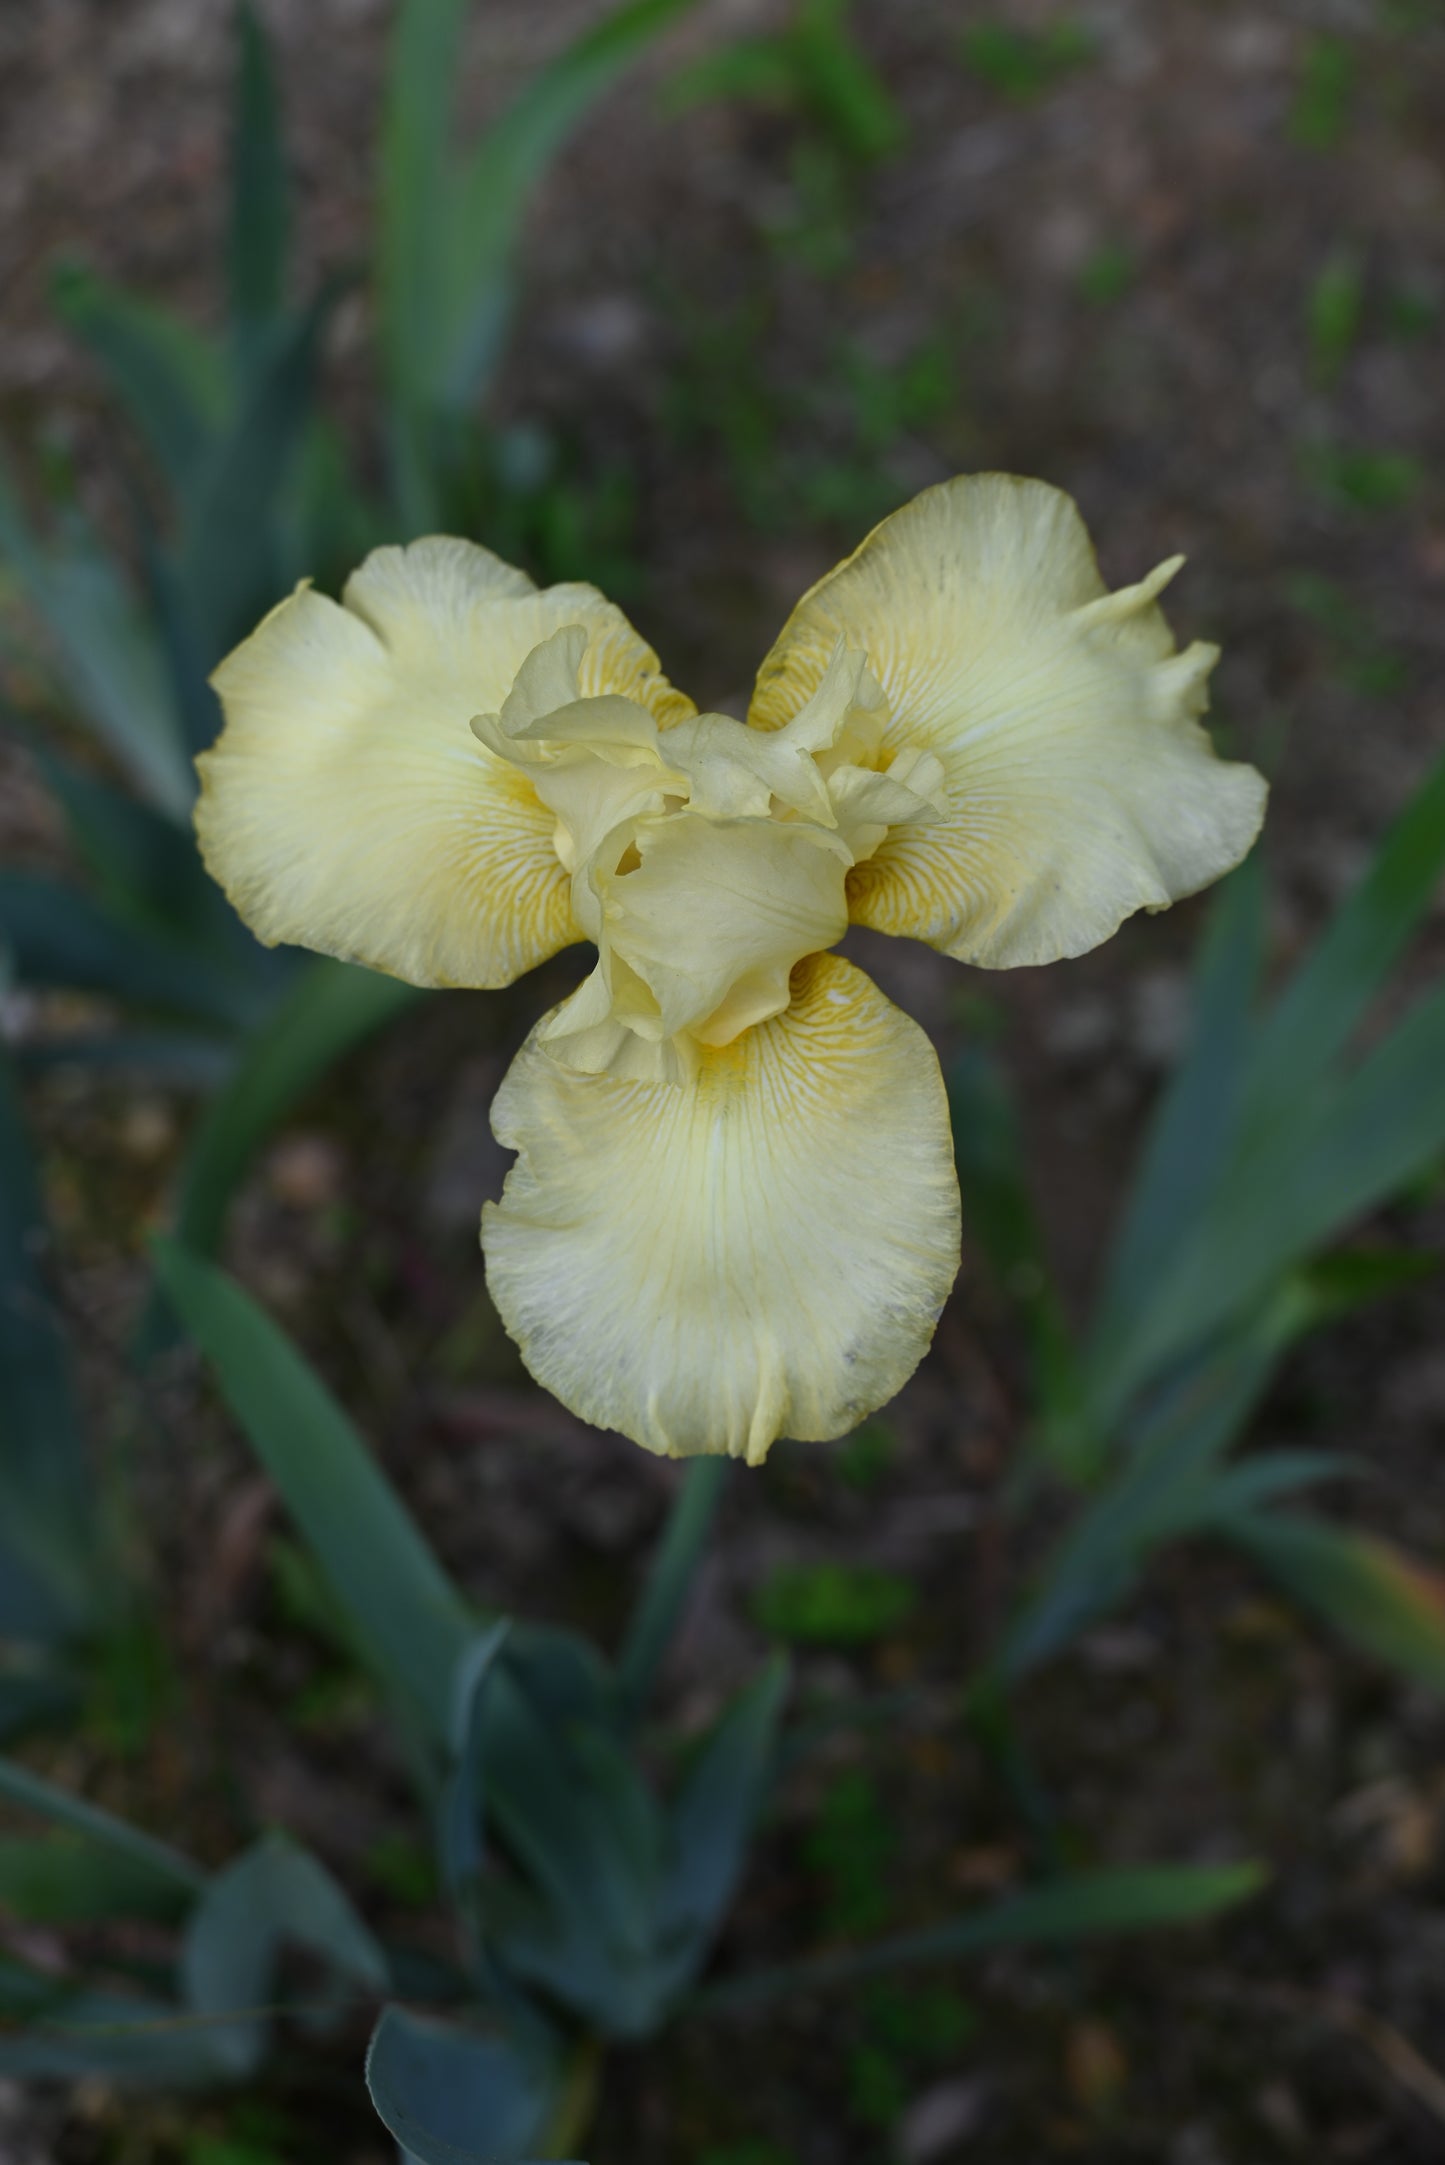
(819, 451)
(850, 1846)
(813, 69)
(1274, 1137)
(1336, 304)
(1355, 479)
(832, 1604)
(1022, 64)
(865, 1456)
(843, 120)
(1324, 92)
(1108, 273)
(249, 486)
(450, 235)
(584, 1903)
(241, 484)
(1358, 652)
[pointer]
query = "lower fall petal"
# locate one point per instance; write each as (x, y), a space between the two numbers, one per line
(763, 1251)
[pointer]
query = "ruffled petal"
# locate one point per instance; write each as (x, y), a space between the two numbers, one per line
(761, 1252)
(713, 918)
(347, 805)
(1079, 785)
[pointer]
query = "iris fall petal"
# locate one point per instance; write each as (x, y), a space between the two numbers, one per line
(762, 1251)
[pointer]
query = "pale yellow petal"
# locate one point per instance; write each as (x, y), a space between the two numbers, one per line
(736, 772)
(594, 762)
(762, 1252)
(1079, 785)
(868, 801)
(348, 807)
(713, 917)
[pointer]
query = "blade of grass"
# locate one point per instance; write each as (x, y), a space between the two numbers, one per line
(999, 1213)
(116, 2037)
(1086, 1905)
(42, 1452)
(65, 1879)
(329, 1008)
(164, 374)
(1350, 1146)
(1323, 1004)
(144, 863)
(59, 937)
(1194, 1123)
(227, 551)
(101, 649)
(1362, 1586)
(502, 174)
(409, 1620)
(1161, 1490)
(415, 210)
(34, 1794)
(260, 228)
(670, 1575)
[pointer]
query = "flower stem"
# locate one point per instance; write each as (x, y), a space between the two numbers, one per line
(669, 1579)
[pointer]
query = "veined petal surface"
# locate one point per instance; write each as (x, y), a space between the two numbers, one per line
(763, 1251)
(348, 807)
(1079, 785)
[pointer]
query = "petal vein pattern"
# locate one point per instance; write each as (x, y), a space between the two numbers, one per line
(1077, 786)
(348, 807)
(763, 1252)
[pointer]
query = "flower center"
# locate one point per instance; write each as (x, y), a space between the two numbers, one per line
(707, 860)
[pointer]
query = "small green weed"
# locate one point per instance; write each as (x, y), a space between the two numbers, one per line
(1023, 64)
(403, 1868)
(303, 1597)
(850, 1847)
(254, 2134)
(819, 453)
(814, 68)
(877, 2085)
(1336, 304)
(929, 2023)
(866, 1455)
(907, 2034)
(1323, 93)
(833, 1604)
(227, 2150)
(1362, 480)
(133, 1685)
(332, 1703)
(1358, 654)
(1407, 18)
(1411, 314)
(1108, 273)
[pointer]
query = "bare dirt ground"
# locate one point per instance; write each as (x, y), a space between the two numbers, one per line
(1112, 281)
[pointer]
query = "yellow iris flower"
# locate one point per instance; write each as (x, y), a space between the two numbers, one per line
(733, 1214)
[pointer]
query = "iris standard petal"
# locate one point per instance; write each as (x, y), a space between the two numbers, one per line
(761, 1252)
(1079, 785)
(347, 805)
(713, 918)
